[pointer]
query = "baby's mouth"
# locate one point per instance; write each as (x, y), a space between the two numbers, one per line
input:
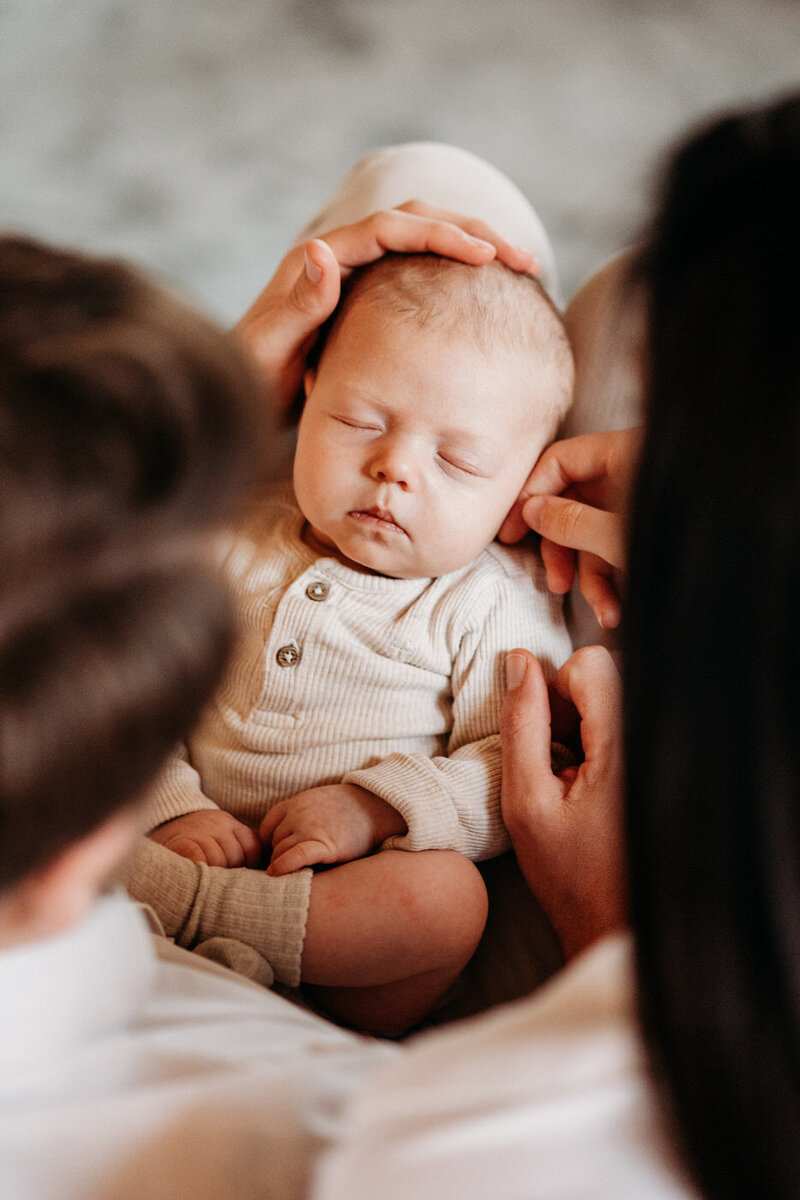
(378, 518)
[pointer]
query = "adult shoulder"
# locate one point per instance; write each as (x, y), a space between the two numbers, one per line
(549, 1097)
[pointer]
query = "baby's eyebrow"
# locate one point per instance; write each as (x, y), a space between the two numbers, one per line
(467, 439)
(354, 391)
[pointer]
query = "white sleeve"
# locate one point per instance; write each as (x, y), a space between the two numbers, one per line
(453, 802)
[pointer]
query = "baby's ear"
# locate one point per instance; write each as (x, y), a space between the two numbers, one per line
(309, 379)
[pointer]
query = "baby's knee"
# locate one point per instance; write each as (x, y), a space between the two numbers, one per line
(451, 900)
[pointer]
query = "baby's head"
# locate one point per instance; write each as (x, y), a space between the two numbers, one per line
(437, 388)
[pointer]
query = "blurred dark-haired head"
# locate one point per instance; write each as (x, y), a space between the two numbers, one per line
(712, 654)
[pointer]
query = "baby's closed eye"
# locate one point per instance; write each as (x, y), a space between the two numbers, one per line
(456, 466)
(351, 423)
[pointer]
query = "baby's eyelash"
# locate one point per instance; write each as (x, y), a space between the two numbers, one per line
(462, 468)
(355, 424)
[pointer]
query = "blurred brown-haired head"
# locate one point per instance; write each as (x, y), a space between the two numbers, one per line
(129, 430)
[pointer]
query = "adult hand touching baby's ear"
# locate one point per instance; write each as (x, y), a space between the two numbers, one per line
(576, 497)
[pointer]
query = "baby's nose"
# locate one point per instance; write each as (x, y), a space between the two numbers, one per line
(388, 476)
(392, 467)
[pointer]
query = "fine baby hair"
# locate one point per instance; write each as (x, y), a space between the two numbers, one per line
(492, 306)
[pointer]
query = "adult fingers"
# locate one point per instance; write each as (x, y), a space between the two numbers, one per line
(280, 326)
(513, 256)
(559, 565)
(589, 679)
(577, 526)
(596, 466)
(316, 289)
(404, 232)
(595, 577)
(590, 456)
(514, 525)
(525, 737)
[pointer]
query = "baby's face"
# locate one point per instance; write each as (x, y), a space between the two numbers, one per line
(413, 446)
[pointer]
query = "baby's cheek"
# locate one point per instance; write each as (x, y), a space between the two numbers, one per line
(454, 543)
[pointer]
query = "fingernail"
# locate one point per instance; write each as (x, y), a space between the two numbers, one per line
(483, 244)
(516, 666)
(610, 618)
(313, 272)
(532, 510)
(532, 264)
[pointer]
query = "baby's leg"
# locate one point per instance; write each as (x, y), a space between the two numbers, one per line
(387, 935)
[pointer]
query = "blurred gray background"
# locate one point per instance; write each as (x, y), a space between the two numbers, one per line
(196, 137)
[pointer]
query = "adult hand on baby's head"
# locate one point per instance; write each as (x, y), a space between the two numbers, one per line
(280, 326)
(334, 823)
(566, 827)
(210, 836)
(576, 498)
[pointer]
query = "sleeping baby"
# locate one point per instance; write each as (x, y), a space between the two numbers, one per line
(360, 713)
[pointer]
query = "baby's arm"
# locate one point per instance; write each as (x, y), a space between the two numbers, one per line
(185, 821)
(453, 802)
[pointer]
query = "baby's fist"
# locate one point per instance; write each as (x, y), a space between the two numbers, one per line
(334, 823)
(210, 836)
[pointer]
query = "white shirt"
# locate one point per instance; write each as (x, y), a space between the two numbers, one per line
(545, 1099)
(126, 1074)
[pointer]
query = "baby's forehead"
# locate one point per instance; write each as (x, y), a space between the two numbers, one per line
(505, 317)
(490, 303)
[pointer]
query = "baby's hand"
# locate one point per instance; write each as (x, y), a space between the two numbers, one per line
(330, 824)
(210, 836)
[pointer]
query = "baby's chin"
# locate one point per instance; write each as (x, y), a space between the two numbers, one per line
(364, 561)
(432, 567)
(377, 559)
(377, 563)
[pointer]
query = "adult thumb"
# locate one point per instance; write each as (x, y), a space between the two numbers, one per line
(577, 526)
(315, 292)
(280, 326)
(525, 737)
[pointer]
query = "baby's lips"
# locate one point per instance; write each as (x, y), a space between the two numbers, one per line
(383, 514)
(380, 514)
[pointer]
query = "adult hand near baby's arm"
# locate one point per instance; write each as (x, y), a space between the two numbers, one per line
(334, 823)
(210, 836)
(566, 829)
(576, 498)
(280, 326)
